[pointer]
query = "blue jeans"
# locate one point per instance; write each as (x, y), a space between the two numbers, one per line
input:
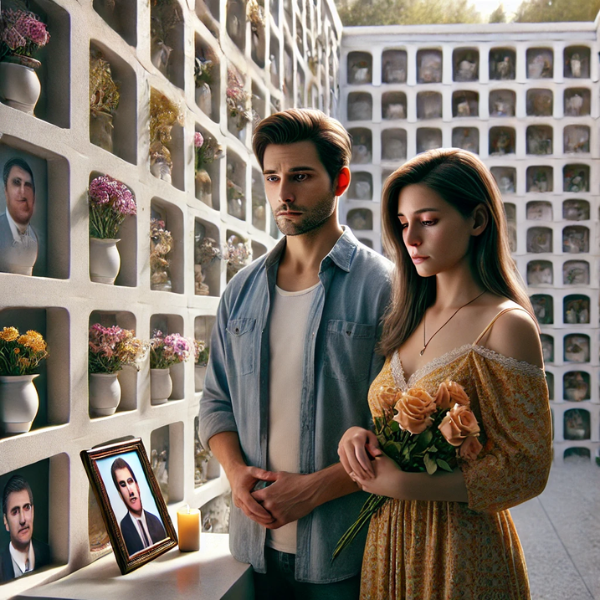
(279, 582)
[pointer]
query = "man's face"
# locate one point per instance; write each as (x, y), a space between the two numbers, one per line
(298, 187)
(18, 519)
(130, 490)
(20, 197)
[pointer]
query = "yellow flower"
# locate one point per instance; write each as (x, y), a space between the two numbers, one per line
(9, 334)
(33, 340)
(17, 351)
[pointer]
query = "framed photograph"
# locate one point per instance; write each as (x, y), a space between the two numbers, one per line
(131, 502)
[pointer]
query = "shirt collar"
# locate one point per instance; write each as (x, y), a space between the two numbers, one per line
(342, 254)
(15, 230)
(21, 557)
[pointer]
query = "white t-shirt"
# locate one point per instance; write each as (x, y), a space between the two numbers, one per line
(289, 323)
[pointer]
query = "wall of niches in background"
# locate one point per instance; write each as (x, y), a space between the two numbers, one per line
(61, 301)
(529, 108)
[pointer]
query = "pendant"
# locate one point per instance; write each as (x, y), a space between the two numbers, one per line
(422, 351)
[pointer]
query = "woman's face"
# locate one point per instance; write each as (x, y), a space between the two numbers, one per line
(435, 234)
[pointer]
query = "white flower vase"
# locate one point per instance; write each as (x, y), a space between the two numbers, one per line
(19, 84)
(199, 375)
(105, 260)
(19, 403)
(160, 168)
(204, 98)
(203, 185)
(105, 394)
(101, 130)
(161, 386)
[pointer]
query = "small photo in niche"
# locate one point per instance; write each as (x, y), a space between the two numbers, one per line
(23, 213)
(24, 536)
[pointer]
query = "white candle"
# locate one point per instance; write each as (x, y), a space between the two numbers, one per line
(188, 529)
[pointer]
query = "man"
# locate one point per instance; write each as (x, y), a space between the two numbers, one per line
(18, 239)
(140, 528)
(292, 358)
(23, 553)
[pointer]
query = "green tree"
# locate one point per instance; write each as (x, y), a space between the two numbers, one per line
(498, 16)
(406, 12)
(540, 11)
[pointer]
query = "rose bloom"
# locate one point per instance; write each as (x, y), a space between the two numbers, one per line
(470, 448)
(415, 408)
(450, 393)
(458, 424)
(385, 400)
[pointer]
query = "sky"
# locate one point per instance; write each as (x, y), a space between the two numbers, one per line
(487, 7)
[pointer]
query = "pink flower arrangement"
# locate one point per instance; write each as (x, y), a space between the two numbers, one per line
(169, 350)
(21, 32)
(110, 202)
(206, 150)
(198, 140)
(112, 348)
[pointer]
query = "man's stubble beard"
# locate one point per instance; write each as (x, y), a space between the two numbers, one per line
(312, 220)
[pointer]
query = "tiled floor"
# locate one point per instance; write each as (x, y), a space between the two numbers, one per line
(560, 533)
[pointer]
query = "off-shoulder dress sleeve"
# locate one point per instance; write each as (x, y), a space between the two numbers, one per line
(514, 413)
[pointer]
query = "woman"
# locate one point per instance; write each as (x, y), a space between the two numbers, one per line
(458, 313)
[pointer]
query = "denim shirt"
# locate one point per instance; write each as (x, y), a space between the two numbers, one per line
(344, 324)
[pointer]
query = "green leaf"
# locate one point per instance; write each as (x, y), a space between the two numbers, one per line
(442, 464)
(394, 426)
(424, 439)
(430, 464)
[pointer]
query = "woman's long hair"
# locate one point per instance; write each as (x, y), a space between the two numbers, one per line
(463, 181)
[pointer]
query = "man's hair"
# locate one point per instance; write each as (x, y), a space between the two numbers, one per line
(331, 140)
(22, 164)
(15, 484)
(120, 464)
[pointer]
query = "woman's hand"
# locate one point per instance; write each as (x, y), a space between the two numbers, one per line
(386, 480)
(356, 449)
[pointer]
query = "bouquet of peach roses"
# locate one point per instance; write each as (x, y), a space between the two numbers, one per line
(420, 433)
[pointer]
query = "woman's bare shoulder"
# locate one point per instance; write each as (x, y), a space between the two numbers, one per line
(515, 334)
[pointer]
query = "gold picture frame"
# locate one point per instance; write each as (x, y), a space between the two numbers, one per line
(131, 503)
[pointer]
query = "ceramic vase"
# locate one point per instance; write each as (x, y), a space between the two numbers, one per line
(105, 260)
(199, 375)
(160, 168)
(19, 403)
(101, 130)
(161, 385)
(203, 186)
(19, 84)
(204, 98)
(105, 394)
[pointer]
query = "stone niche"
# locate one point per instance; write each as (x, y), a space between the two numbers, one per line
(539, 210)
(539, 179)
(547, 347)
(465, 104)
(576, 272)
(540, 63)
(502, 64)
(539, 240)
(576, 139)
(360, 68)
(393, 105)
(506, 178)
(577, 424)
(577, 102)
(428, 138)
(539, 139)
(576, 386)
(466, 138)
(465, 63)
(429, 66)
(577, 348)
(539, 103)
(502, 103)
(360, 219)
(429, 105)
(502, 141)
(360, 106)
(577, 62)
(576, 210)
(539, 272)
(576, 239)
(362, 145)
(393, 144)
(543, 308)
(576, 309)
(361, 186)
(576, 178)
(393, 64)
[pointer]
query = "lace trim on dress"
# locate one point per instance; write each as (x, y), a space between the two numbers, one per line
(397, 369)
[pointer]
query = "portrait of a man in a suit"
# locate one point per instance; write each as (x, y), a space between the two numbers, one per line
(23, 553)
(140, 528)
(18, 238)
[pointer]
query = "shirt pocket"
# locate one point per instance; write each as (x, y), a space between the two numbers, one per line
(348, 350)
(241, 344)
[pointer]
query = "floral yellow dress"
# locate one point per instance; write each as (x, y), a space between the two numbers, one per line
(418, 550)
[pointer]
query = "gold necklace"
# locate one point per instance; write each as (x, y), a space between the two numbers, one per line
(426, 343)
